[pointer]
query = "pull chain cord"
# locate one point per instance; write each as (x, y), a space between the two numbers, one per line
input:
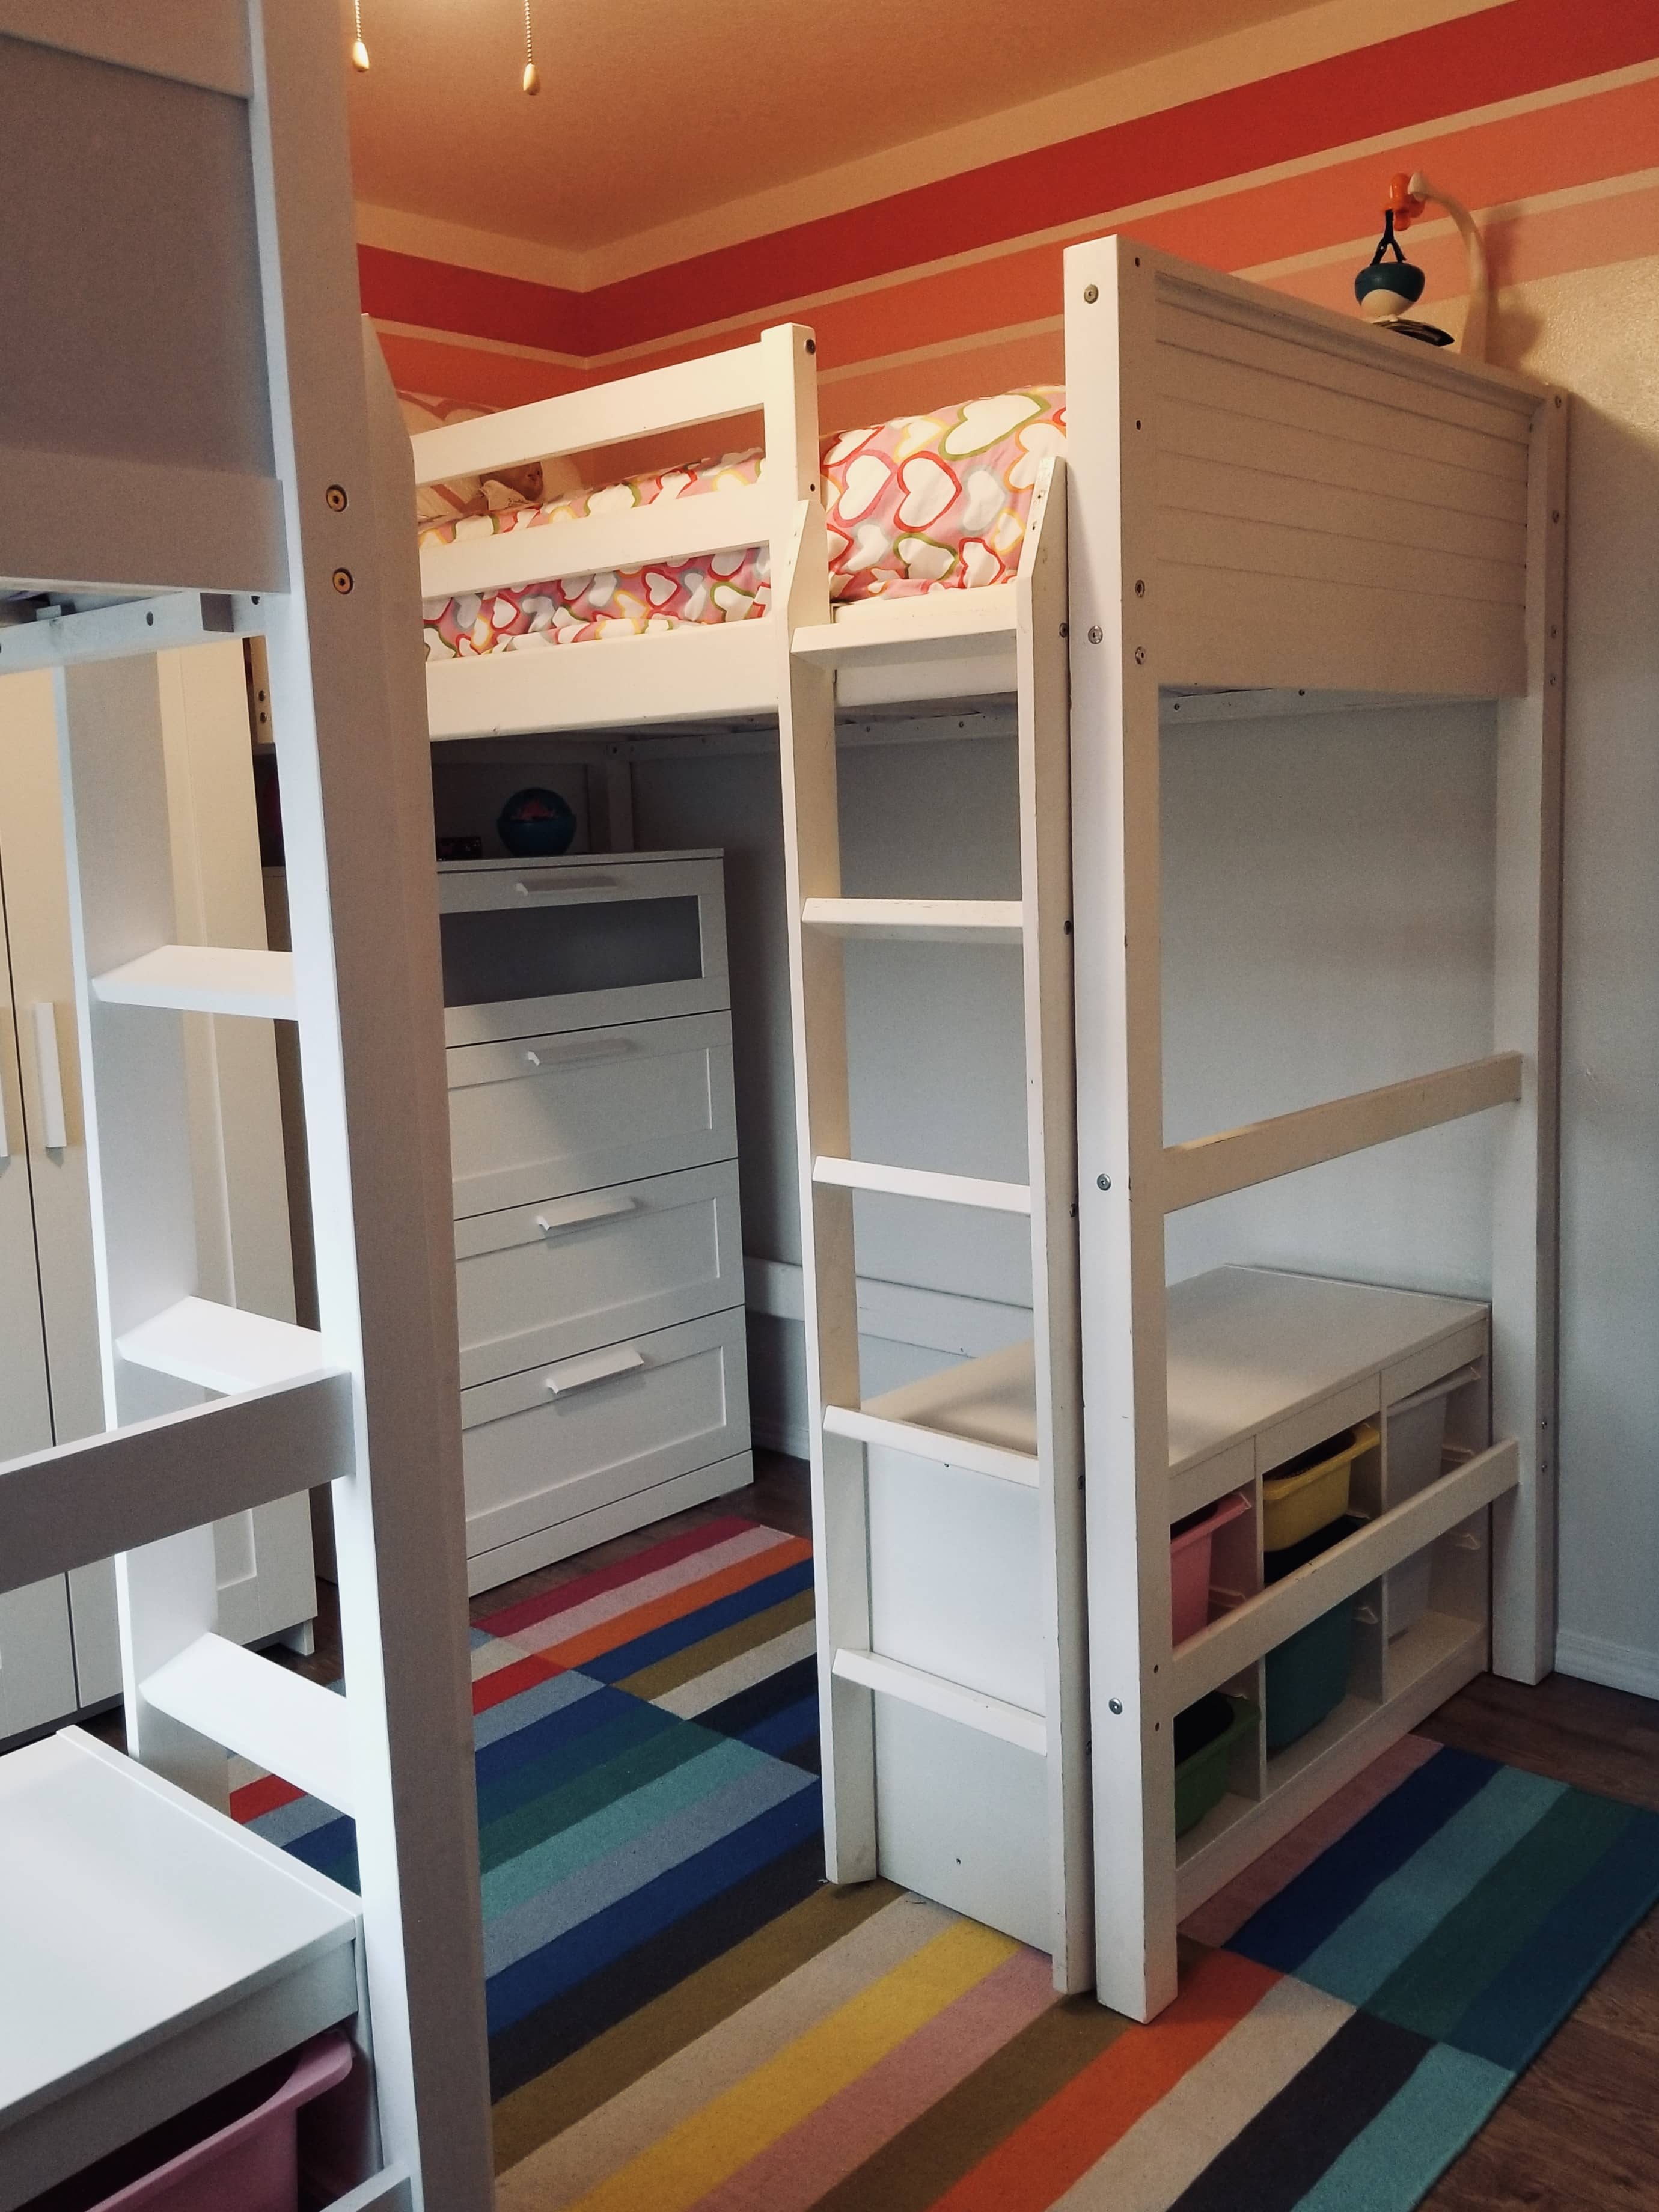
(533, 76)
(359, 51)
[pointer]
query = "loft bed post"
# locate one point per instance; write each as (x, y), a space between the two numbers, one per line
(1109, 337)
(1527, 1019)
(1227, 536)
(274, 499)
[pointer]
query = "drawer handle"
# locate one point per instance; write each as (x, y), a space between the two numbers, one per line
(555, 883)
(579, 1373)
(576, 1050)
(576, 1212)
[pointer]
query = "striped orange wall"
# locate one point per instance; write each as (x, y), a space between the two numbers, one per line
(1542, 114)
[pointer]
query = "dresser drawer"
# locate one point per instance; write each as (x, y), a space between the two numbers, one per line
(547, 1281)
(550, 1115)
(539, 945)
(563, 1439)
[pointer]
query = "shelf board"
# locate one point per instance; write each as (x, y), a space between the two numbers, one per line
(1443, 1655)
(1215, 1824)
(204, 979)
(222, 1348)
(1249, 1347)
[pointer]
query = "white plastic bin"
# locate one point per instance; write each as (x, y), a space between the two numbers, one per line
(1416, 1436)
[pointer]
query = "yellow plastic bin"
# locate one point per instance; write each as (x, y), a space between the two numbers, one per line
(1310, 1491)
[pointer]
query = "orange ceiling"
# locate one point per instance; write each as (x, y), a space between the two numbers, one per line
(650, 111)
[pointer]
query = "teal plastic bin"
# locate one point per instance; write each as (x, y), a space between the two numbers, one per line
(1307, 1674)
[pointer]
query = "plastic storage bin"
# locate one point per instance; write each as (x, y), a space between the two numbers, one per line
(1311, 1490)
(237, 2151)
(1307, 1674)
(1416, 1436)
(1190, 1543)
(1204, 1738)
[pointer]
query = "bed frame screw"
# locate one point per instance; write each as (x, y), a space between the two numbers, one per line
(1141, 588)
(1096, 633)
(342, 580)
(1103, 1183)
(1140, 656)
(1114, 1705)
(1090, 294)
(336, 498)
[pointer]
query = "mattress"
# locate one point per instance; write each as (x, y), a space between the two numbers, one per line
(928, 503)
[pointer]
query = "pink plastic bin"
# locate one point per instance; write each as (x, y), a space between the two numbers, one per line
(246, 2164)
(1190, 1567)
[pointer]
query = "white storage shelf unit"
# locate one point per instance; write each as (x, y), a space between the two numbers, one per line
(593, 1145)
(1262, 1365)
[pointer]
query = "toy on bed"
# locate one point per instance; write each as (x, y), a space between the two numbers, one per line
(927, 503)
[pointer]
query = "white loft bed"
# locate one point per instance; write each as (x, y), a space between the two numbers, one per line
(191, 449)
(1231, 555)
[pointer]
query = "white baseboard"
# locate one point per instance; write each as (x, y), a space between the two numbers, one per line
(791, 1439)
(1616, 1666)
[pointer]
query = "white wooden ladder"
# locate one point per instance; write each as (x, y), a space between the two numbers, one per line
(851, 1438)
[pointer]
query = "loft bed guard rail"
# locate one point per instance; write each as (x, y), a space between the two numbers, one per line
(725, 667)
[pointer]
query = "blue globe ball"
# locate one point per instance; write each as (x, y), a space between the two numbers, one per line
(537, 824)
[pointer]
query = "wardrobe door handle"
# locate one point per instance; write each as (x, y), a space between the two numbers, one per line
(578, 1374)
(51, 1074)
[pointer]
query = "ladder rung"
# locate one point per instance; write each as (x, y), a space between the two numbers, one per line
(890, 629)
(282, 1722)
(922, 1182)
(974, 1708)
(204, 979)
(222, 1348)
(928, 921)
(937, 1444)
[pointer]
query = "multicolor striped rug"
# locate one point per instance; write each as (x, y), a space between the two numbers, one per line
(684, 2019)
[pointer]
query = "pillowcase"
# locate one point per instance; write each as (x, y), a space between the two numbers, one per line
(458, 495)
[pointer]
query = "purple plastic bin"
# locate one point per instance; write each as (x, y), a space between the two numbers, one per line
(1190, 1567)
(252, 2163)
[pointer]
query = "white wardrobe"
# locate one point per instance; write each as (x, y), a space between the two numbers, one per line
(57, 1639)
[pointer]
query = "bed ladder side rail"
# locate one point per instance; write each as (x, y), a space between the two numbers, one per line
(851, 1673)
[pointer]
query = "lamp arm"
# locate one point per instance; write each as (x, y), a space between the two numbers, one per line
(1474, 340)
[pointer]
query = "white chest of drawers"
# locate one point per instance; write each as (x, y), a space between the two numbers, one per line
(598, 1244)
